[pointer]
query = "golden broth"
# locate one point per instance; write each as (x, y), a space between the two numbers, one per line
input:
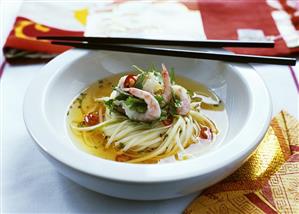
(93, 142)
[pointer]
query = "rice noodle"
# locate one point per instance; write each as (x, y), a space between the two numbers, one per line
(142, 141)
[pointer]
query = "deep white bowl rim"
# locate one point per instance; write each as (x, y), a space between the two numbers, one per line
(44, 135)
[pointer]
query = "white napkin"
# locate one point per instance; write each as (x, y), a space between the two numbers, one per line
(146, 19)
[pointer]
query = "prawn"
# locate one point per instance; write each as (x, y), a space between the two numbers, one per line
(123, 83)
(167, 84)
(120, 84)
(153, 111)
(184, 98)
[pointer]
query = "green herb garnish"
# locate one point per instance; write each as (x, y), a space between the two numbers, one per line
(109, 104)
(136, 104)
(164, 115)
(160, 99)
(173, 105)
(121, 145)
(140, 81)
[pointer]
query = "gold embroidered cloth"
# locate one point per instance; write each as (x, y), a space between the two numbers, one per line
(267, 183)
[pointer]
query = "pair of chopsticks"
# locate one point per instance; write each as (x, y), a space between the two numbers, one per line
(132, 45)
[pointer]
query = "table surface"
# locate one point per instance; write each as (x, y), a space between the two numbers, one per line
(30, 184)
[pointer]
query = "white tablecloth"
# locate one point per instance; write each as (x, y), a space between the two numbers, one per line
(30, 184)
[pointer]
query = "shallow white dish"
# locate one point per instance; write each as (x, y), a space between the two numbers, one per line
(46, 103)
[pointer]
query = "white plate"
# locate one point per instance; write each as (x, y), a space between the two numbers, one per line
(46, 102)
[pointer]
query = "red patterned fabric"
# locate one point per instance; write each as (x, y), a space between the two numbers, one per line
(222, 19)
(30, 30)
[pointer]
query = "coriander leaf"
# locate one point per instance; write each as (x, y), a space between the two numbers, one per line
(112, 105)
(140, 81)
(136, 104)
(173, 105)
(140, 108)
(160, 99)
(176, 102)
(164, 115)
(121, 94)
(172, 110)
(109, 104)
(132, 101)
(121, 97)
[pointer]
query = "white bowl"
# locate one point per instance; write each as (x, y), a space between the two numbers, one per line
(246, 99)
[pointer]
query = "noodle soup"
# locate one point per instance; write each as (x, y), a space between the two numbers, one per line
(101, 123)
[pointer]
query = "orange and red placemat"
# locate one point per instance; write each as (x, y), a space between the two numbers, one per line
(221, 20)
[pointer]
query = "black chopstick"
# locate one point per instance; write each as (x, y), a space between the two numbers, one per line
(183, 53)
(186, 43)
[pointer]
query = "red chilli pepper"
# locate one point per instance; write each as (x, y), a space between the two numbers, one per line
(91, 119)
(130, 81)
(205, 133)
(167, 121)
(122, 158)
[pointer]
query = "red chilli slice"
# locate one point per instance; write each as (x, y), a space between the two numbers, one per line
(205, 133)
(167, 121)
(122, 158)
(130, 81)
(91, 119)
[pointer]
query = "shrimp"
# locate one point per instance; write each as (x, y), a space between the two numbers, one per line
(183, 96)
(120, 84)
(153, 111)
(167, 84)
